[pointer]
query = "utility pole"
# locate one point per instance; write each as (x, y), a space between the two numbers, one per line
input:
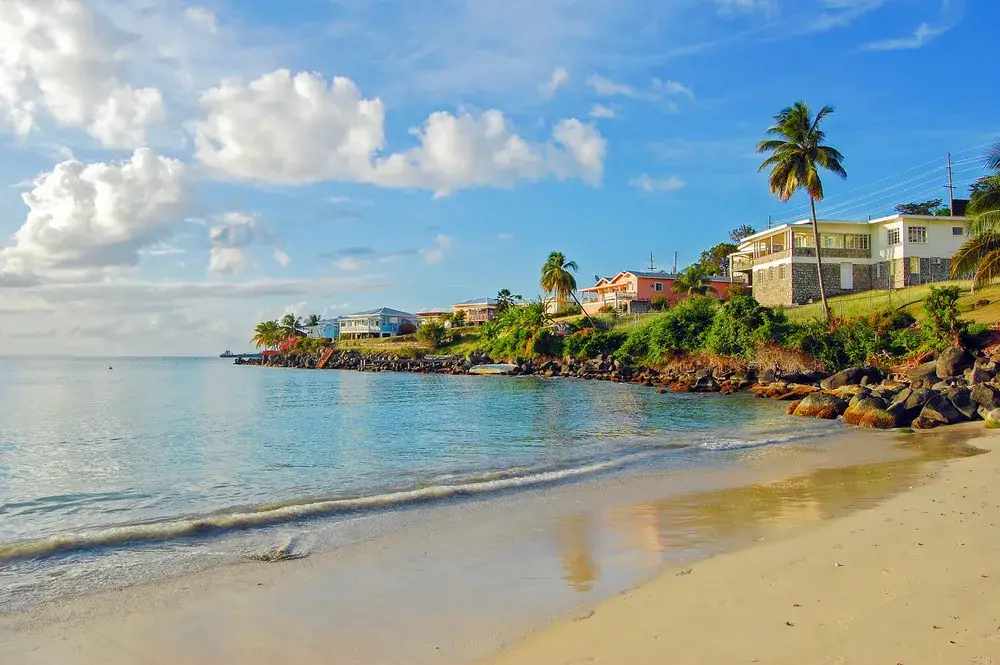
(951, 190)
(651, 262)
(768, 222)
(675, 263)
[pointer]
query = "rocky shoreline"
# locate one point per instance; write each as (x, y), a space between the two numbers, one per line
(956, 386)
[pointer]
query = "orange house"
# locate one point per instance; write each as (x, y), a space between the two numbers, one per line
(633, 291)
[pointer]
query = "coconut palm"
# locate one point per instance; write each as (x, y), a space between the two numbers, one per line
(291, 326)
(797, 153)
(979, 255)
(267, 334)
(506, 300)
(694, 281)
(312, 320)
(557, 279)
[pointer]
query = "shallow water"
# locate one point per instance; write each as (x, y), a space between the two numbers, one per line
(157, 465)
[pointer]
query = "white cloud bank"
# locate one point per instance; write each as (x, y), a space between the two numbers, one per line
(297, 129)
(61, 60)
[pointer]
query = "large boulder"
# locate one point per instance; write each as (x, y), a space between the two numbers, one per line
(821, 405)
(908, 404)
(975, 375)
(992, 418)
(952, 362)
(986, 396)
(851, 376)
(923, 376)
(936, 412)
(795, 392)
(961, 398)
(805, 377)
(859, 407)
(878, 419)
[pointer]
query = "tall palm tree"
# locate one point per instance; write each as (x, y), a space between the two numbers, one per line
(797, 154)
(557, 279)
(312, 320)
(694, 281)
(291, 326)
(979, 255)
(267, 334)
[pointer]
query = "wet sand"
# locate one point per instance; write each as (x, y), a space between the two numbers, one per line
(466, 580)
(914, 580)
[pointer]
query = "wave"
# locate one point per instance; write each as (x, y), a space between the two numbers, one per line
(270, 514)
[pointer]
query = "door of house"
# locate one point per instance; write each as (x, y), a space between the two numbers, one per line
(847, 276)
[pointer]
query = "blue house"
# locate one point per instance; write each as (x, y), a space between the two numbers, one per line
(381, 322)
(327, 328)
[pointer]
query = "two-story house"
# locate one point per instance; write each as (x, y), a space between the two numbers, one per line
(381, 322)
(325, 329)
(634, 290)
(888, 252)
(477, 311)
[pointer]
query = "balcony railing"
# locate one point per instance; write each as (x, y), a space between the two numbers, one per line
(609, 297)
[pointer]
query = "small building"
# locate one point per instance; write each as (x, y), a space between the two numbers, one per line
(435, 314)
(477, 311)
(381, 322)
(325, 329)
(633, 291)
(885, 253)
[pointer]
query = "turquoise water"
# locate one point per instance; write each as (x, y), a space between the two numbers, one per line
(109, 473)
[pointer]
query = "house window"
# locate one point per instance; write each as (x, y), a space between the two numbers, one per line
(857, 241)
(832, 240)
(802, 240)
(957, 231)
(658, 286)
(781, 272)
(914, 265)
(893, 236)
(917, 234)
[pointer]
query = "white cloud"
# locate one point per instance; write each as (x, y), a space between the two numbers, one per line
(227, 260)
(650, 185)
(94, 216)
(924, 34)
(281, 258)
(505, 236)
(202, 18)
(298, 310)
(436, 254)
(672, 88)
(352, 263)
(292, 130)
(61, 59)
(560, 76)
(601, 111)
(232, 233)
(730, 8)
(608, 88)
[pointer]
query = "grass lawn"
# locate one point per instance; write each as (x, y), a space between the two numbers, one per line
(909, 299)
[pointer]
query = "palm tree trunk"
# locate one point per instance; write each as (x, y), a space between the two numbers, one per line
(819, 262)
(590, 320)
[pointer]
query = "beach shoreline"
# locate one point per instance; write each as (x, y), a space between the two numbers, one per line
(906, 582)
(233, 605)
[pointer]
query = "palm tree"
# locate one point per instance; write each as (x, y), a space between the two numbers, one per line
(557, 278)
(267, 334)
(312, 320)
(979, 255)
(291, 326)
(797, 154)
(694, 281)
(506, 300)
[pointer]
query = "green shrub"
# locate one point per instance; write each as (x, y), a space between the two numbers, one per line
(942, 324)
(659, 302)
(544, 343)
(742, 324)
(432, 333)
(684, 327)
(590, 343)
(858, 341)
(606, 309)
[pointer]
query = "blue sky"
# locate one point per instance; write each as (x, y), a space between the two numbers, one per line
(174, 172)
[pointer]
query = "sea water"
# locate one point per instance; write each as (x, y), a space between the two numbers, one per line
(115, 471)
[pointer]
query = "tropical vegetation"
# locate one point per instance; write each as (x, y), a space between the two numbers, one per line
(695, 280)
(558, 280)
(797, 153)
(979, 255)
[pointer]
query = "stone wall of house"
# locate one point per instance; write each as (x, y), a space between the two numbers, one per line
(805, 282)
(833, 254)
(774, 291)
(897, 274)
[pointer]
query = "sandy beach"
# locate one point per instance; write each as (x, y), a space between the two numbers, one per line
(868, 549)
(914, 580)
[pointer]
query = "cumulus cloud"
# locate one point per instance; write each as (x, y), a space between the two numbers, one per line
(560, 76)
(601, 111)
(297, 129)
(62, 60)
(650, 185)
(202, 18)
(93, 216)
(437, 253)
(607, 87)
(231, 235)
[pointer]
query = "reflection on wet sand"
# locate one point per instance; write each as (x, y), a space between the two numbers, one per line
(705, 523)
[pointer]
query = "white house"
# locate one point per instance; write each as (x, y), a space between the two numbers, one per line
(889, 252)
(381, 322)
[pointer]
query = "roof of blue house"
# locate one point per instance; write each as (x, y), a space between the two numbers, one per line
(381, 311)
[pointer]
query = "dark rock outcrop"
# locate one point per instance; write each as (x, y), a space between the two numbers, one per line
(952, 362)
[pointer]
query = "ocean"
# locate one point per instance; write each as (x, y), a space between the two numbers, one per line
(117, 471)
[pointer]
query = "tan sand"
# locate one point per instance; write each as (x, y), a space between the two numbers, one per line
(914, 580)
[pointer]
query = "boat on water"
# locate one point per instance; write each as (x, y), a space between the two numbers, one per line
(229, 354)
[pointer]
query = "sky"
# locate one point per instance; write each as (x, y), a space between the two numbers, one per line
(172, 173)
